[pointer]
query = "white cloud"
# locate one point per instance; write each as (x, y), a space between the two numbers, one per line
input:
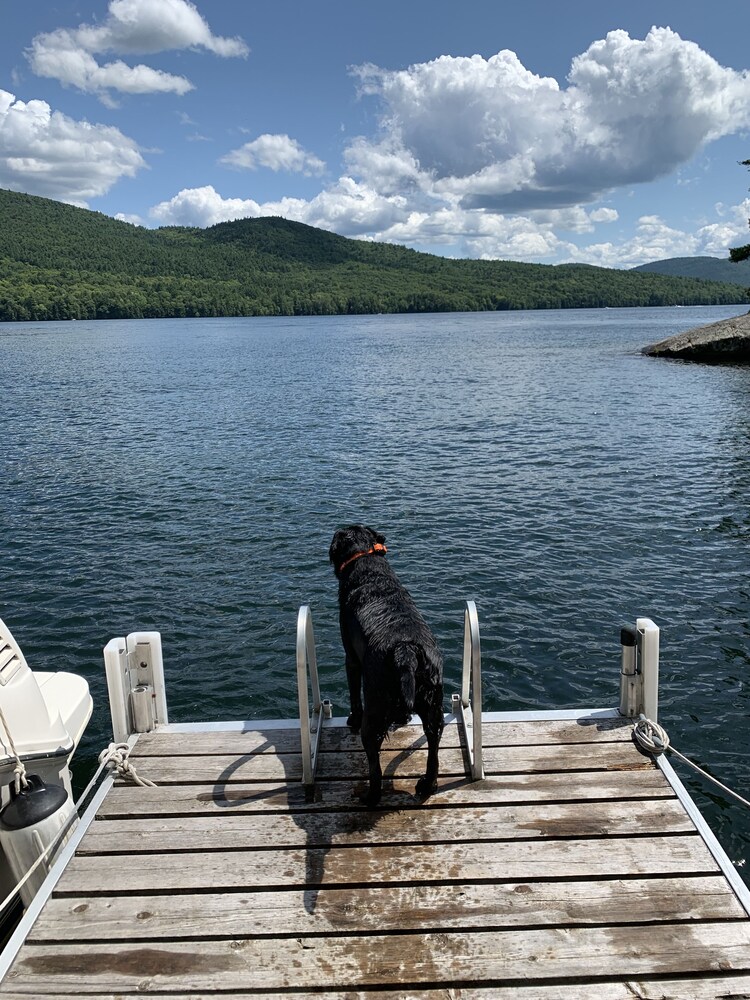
(717, 237)
(134, 220)
(46, 153)
(131, 27)
(58, 56)
(347, 208)
(351, 209)
(203, 207)
(276, 152)
(604, 215)
(386, 166)
(493, 135)
(483, 158)
(656, 240)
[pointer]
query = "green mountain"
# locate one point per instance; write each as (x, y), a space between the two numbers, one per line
(707, 268)
(61, 262)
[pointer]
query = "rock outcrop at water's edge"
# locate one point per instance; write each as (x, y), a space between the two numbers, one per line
(725, 341)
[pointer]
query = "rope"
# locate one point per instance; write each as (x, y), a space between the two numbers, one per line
(116, 756)
(19, 770)
(655, 740)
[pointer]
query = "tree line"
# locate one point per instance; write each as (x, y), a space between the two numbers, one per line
(60, 262)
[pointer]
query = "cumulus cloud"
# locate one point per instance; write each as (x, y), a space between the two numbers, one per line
(276, 152)
(350, 208)
(131, 27)
(47, 153)
(483, 158)
(134, 220)
(604, 215)
(655, 239)
(203, 207)
(479, 234)
(732, 230)
(493, 135)
(346, 207)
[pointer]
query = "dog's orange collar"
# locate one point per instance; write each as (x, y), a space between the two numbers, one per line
(377, 547)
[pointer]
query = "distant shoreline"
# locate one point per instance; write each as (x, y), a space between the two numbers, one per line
(60, 262)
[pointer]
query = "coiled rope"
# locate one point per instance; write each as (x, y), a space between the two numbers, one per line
(116, 758)
(654, 739)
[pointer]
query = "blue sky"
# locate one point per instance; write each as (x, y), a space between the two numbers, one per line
(608, 133)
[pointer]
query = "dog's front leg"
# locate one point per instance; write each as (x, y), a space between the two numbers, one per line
(372, 741)
(354, 680)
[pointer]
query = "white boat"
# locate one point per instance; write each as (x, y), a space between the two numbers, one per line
(42, 718)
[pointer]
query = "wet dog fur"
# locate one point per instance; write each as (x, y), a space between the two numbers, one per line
(393, 664)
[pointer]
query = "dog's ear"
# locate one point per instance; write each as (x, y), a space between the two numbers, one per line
(343, 544)
(333, 552)
(379, 539)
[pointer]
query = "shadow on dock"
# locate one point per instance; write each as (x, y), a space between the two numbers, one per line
(333, 816)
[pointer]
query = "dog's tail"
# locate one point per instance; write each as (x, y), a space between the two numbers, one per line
(406, 662)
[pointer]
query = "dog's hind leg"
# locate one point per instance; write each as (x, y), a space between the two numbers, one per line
(354, 680)
(372, 740)
(432, 721)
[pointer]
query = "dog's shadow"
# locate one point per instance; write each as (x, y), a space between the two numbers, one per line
(331, 815)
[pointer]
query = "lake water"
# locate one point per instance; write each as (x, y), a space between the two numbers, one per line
(187, 476)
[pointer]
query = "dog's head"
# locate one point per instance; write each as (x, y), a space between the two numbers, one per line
(349, 543)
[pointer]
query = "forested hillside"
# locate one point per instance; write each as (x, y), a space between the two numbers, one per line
(709, 268)
(61, 262)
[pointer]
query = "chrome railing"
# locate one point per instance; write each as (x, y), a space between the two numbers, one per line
(310, 726)
(467, 707)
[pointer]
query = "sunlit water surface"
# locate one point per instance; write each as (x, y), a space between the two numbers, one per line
(187, 476)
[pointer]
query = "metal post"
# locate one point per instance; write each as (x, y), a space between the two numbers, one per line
(631, 682)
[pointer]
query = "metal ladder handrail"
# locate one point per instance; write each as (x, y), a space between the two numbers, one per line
(310, 726)
(467, 707)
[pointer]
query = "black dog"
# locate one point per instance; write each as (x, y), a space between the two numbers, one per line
(391, 655)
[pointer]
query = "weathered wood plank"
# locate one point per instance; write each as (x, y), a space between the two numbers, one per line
(211, 798)
(593, 819)
(401, 764)
(340, 739)
(386, 908)
(497, 958)
(379, 865)
(714, 988)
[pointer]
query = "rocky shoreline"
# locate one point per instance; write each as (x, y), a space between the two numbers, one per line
(727, 341)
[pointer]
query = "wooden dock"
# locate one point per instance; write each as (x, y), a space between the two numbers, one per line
(571, 872)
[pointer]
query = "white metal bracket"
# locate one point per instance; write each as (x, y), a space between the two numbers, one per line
(135, 679)
(639, 673)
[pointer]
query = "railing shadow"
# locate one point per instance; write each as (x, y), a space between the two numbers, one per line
(329, 817)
